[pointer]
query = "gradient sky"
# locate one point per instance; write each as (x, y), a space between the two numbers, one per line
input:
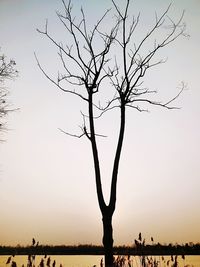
(47, 188)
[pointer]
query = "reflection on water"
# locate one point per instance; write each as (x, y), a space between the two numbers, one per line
(90, 261)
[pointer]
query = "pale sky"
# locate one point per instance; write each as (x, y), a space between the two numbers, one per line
(47, 188)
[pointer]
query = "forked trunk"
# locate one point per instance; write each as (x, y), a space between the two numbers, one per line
(107, 211)
(108, 239)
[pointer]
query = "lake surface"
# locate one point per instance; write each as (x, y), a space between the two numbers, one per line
(90, 261)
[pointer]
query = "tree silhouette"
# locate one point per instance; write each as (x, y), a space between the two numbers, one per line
(7, 72)
(96, 59)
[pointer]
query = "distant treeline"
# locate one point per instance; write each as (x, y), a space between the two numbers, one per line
(153, 249)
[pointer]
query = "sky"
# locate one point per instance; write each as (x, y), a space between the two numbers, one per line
(47, 186)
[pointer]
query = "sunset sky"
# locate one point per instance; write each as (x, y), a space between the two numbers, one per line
(47, 186)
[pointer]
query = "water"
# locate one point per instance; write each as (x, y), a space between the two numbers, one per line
(90, 261)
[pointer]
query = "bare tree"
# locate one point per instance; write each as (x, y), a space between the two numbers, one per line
(118, 62)
(7, 72)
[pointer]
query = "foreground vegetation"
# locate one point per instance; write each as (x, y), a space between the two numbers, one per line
(139, 255)
(118, 261)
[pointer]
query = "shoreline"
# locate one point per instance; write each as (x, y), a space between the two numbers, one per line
(153, 250)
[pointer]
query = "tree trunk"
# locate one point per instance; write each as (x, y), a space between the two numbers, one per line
(108, 239)
(107, 211)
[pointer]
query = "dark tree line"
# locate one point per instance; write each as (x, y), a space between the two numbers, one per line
(148, 249)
